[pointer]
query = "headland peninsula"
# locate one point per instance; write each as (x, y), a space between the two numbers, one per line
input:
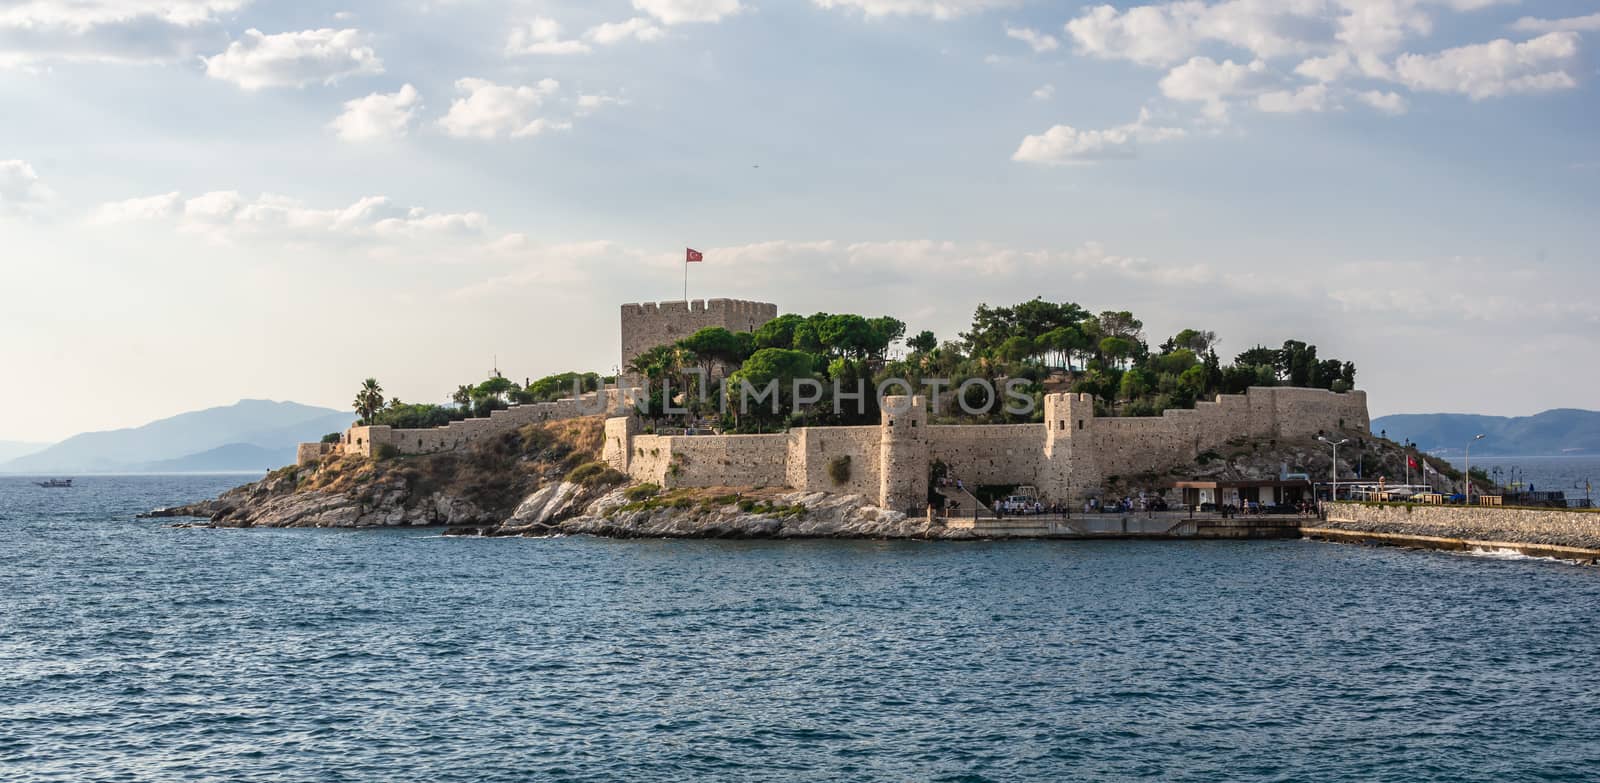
(1043, 420)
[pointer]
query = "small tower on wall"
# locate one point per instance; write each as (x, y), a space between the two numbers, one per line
(1071, 469)
(903, 454)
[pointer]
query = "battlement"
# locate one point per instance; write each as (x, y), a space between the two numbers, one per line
(735, 307)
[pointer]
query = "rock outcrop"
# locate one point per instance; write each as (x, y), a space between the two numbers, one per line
(276, 502)
(787, 515)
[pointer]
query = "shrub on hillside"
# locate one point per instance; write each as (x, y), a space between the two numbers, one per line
(595, 474)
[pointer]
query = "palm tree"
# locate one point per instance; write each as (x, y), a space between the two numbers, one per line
(369, 400)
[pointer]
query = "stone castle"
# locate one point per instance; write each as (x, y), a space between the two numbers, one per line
(645, 326)
(1068, 456)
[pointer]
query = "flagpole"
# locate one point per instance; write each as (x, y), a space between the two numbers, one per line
(685, 277)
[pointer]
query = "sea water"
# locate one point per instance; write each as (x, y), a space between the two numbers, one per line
(134, 651)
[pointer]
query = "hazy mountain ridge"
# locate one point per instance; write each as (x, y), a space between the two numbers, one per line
(234, 457)
(248, 435)
(1553, 432)
(11, 449)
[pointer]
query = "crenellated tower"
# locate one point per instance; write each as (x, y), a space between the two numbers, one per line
(652, 324)
(903, 454)
(1070, 467)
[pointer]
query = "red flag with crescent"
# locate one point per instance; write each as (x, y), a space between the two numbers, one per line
(694, 255)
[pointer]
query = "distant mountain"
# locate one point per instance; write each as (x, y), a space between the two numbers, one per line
(1554, 432)
(206, 440)
(232, 458)
(11, 449)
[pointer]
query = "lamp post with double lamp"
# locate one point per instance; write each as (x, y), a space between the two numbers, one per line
(1475, 439)
(1334, 494)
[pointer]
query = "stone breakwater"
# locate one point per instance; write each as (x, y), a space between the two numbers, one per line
(1539, 532)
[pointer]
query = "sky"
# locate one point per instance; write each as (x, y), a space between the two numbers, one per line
(208, 200)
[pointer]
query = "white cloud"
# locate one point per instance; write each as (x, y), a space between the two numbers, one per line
(1576, 24)
(1039, 42)
(886, 263)
(1386, 102)
(1495, 68)
(637, 28)
(1045, 92)
(1149, 35)
(113, 31)
(90, 13)
(20, 189)
(1170, 32)
(490, 110)
(543, 265)
(137, 209)
(938, 9)
(1204, 80)
(542, 35)
(294, 59)
(1065, 145)
(228, 216)
(589, 104)
(379, 115)
(1167, 33)
(1312, 97)
(1327, 69)
(672, 12)
(1378, 27)
(1333, 41)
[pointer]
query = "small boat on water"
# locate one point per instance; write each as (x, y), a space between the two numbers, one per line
(55, 483)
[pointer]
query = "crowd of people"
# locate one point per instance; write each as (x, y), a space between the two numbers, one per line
(1143, 502)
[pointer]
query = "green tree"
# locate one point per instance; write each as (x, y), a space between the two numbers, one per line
(1134, 385)
(1196, 341)
(779, 332)
(497, 388)
(1259, 356)
(369, 400)
(923, 342)
(1016, 349)
(764, 367)
(711, 346)
(1117, 350)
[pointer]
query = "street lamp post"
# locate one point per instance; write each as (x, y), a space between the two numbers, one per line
(1469, 466)
(1334, 494)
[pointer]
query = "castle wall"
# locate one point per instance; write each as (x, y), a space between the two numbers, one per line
(649, 459)
(989, 453)
(812, 449)
(726, 460)
(1071, 454)
(365, 440)
(310, 453)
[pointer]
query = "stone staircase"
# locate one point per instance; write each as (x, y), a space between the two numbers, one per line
(967, 500)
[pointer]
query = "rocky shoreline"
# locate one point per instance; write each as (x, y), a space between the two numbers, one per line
(273, 502)
(568, 509)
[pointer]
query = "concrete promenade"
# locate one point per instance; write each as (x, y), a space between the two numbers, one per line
(1140, 524)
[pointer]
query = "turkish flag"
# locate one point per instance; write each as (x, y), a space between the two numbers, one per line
(1412, 461)
(694, 255)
